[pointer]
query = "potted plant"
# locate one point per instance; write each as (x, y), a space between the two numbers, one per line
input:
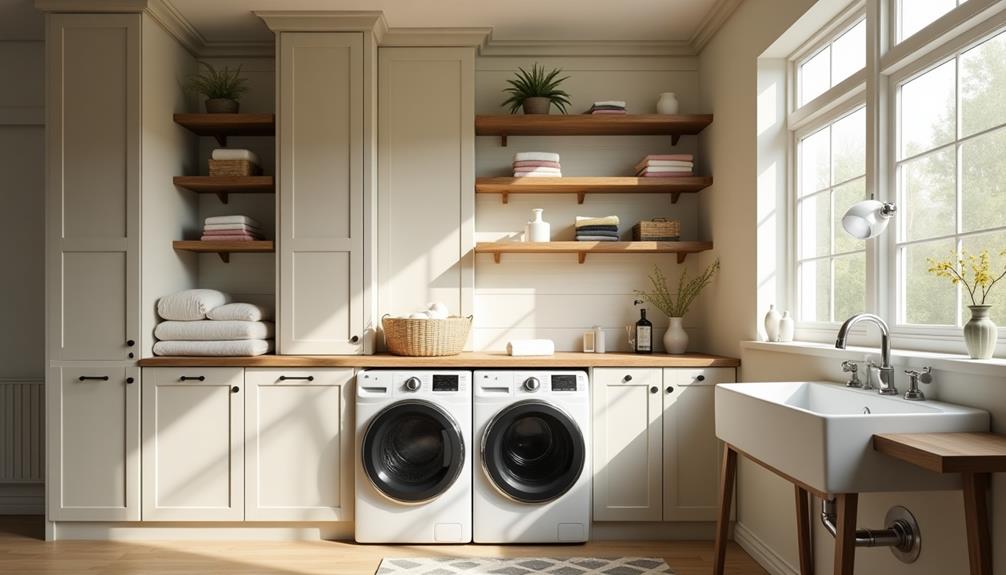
(974, 273)
(536, 92)
(222, 88)
(676, 305)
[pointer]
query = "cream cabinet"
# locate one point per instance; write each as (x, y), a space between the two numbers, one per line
(655, 446)
(193, 438)
(299, 444)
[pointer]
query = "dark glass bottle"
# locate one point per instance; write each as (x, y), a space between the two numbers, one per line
(644, 333)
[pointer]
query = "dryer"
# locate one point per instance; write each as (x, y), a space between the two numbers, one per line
(414, 456)
(532, 479)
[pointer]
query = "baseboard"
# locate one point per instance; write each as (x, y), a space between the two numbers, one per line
(762, 553)
(205, 531)
(655, 531)
(22, 499)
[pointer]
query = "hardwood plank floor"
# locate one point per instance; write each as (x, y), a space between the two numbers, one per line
(23, 552)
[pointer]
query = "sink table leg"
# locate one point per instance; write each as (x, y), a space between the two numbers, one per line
(845, 538)
(976, 516)
(728, 476)
(803, 530)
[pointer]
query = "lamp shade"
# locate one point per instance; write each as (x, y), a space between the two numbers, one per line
(867, 219)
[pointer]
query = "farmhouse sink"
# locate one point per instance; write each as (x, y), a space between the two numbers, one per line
(820, 433)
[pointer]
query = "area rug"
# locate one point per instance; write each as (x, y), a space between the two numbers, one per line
(523, 566)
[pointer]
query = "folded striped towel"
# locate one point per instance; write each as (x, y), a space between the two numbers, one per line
(591, 221)
(536, 164)
(536, 175)
(596, 234)
(542, 156)
(582, 229)
(235, 154)
(597, 238)
(232, 220)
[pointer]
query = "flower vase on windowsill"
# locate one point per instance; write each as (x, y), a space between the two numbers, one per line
(974, 274)
(980, 333)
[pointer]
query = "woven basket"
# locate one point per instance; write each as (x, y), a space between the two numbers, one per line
(233, 168)
(656, 230)
(426, 337)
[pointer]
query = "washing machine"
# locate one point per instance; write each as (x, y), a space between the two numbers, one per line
(414, 456)
(532, 477)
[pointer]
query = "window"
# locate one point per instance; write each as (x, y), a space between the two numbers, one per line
(833, 63)
(914, 15)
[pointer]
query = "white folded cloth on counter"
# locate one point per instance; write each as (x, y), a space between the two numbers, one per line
(524, 347)
(216, 220)
(190, 305)
(235, 154)
(212, 330)
(541, 156)
(613, 103)
(243, 347)
(240, 312)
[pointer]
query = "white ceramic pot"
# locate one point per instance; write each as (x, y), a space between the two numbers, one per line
(787, 327)
(675, 338)
(772, 324)
(667, 103)
(980, 333)
(537, 230)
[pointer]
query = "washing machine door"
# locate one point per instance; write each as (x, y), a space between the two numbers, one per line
(413, 451)
(533, 452)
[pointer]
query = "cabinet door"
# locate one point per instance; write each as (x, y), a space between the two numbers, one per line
(299, 445)
(320, 165)
(691, 450)
(193, 432)
(93, 185)
(627, 451)
(94, 444)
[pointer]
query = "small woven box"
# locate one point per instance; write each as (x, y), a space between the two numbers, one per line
(426, 337)
(234, 168)
(657, 230)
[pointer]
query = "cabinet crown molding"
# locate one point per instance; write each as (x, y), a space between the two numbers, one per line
(325, 21)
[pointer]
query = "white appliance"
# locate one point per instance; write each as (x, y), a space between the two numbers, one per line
(414, 456)
(532, 457)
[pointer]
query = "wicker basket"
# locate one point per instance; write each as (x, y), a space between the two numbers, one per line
(234, 168)
(426, 337)
(657, 230)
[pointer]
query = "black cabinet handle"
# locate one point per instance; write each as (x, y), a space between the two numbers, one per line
(670, 389)
(192, 378)
(293, 377)
(627, 378)
(700, 378)
(235, 389)
(93, 378)
(130, 343)
(129, 380)
(354, 339)
(131, 355)
(654, 389)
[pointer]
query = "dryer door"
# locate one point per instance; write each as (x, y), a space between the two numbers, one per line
(413, 451)
(533, 452)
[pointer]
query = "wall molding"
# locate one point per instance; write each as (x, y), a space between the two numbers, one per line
(437, 37)
(712, 22)
(762, 553)
(496, 48)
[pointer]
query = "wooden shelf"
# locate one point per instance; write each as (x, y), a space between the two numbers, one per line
(222, 186)
(220, 126)
(225, 249)
(591, 125)
(592, 185)
(581, 249)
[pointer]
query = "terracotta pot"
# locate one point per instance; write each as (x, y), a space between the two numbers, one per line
(222, 106)
(537, 105)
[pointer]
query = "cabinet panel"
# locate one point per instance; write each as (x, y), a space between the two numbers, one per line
(298, 442)
(627, 445)
(94, 305)
(94, 444)
(193, 433)
(320, 313)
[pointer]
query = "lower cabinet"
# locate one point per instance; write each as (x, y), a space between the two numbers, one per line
(299, 445)
(193, 436)
(656, 456)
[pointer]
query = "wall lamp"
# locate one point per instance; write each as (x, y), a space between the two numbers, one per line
(868, 219)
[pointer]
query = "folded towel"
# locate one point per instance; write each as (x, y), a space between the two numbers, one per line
(543, 156)
(539, 170)
(232, 220)
(594, 233)
(535, 175)
(536, 164)
(231, 238)
(581, 229)
(664, 163)
(580, 238)
(190, 305)
(617, 103)
(237, 232)
(230, 228)
(242, 347)
(680, 157)
(667, 168)
(648, 173)
(607, 113)
(240, 312)
(210, 330)
(525, 347)
(235, 154)
(590, 221)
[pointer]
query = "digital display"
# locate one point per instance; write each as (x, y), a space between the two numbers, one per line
(445, 382)
(564, 382)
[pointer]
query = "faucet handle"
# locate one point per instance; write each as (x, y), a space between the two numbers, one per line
(852, 367)
(924, 375)
(849, 366)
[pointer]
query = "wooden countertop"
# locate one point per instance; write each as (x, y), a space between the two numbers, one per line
(466, 359)
(946, 452)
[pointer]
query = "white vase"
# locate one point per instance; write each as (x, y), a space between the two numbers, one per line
(537, 230)
(667, 103)
(675, 338)
(787, 328)
(980, 333)
(772, 324)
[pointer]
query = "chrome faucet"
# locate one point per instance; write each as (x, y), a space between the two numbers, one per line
(886, 372)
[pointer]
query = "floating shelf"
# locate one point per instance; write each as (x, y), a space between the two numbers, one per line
(592, 125)
(582, 186)
(581, 249)
(225, 249)
(224, 185)
(220, 126)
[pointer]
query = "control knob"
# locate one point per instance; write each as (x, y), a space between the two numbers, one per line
(532, 384)
(413, 384)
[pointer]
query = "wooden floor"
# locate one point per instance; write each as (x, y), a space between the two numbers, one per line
(23, 552)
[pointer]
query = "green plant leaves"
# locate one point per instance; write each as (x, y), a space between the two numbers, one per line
(212, 83)
(536, 84)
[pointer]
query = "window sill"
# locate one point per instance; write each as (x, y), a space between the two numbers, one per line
(995, 367)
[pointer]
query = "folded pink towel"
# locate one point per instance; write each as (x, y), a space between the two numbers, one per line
(230, 227)
(535, 164)
(669, 169)
(536, 175)
(231, 238)
(664, 164)
(649, 174)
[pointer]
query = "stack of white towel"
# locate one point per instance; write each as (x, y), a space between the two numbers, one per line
(536, 165)
(666, 165)
(231, 229)
(203, 322)
(235, 154)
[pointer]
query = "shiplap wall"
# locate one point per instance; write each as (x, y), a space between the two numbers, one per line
(551, 296)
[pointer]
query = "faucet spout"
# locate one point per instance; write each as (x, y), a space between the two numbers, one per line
(886, 386)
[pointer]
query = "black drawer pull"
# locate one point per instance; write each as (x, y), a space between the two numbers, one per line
(670, 389)
(654, 389)
(298, 377)
(192, 378)
(129, 380)
(354, 339)
(700, 378)
(93, 378)
(235, 389)
(130, 343)
(627, 378)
